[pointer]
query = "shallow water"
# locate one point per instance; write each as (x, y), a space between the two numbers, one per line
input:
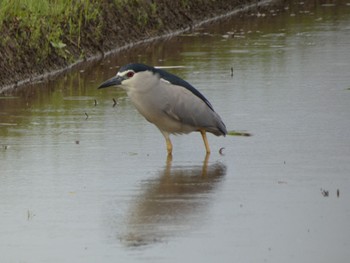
(83, 181)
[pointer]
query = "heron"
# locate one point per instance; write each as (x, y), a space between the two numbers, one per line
(169, 102)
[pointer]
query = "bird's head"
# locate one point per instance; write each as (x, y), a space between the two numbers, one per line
(129, 75)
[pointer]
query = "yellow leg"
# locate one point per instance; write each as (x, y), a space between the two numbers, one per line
(169, 160)
(205, 140)
(169, 146)
(205, 165)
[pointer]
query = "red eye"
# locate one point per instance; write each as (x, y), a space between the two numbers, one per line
(130, 74)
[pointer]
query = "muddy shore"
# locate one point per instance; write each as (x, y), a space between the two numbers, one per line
(116, 28)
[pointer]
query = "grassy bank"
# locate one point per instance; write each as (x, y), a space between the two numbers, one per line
(43, 26)
(39, 36)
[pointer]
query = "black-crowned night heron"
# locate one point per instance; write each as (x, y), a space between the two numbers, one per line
(167, 101)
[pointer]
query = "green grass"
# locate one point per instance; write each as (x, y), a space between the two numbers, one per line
(44, 27)
(46, 24)
(23, 8)
(31, 11)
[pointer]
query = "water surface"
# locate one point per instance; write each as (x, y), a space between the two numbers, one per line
(83, 181)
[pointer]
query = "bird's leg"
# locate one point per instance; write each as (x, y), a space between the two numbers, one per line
(169, 160)
(205, 165)
(205, 140)
(169, 145)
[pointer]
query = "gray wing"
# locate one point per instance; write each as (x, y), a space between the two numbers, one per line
(184, 106)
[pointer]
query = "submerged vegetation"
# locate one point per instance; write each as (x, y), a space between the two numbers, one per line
(39, 36)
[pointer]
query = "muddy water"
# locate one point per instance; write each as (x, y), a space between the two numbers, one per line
(84, 180)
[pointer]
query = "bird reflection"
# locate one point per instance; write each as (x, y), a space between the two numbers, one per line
(173, 203)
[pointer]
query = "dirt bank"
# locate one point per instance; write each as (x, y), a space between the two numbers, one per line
(114, 25)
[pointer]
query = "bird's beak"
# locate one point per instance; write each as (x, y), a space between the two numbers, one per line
(115, 81)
